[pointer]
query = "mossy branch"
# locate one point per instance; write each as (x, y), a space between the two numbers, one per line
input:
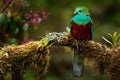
(15, 59)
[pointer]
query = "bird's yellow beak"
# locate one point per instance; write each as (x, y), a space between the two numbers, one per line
(74, 12)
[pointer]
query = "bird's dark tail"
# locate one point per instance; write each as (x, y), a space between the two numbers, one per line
(78, 65)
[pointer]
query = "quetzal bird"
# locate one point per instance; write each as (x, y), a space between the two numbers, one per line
(81, 28)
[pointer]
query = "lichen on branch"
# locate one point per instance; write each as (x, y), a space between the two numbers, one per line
(15, 60)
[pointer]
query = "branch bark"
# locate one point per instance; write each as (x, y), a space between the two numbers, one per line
(15, 59)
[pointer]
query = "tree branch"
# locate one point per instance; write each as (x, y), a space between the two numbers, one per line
(15, 59)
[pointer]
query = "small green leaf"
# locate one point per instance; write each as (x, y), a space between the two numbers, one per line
(107, 40)
(35, 27)
(12, 41)
(110, 35)
(3, 18)
(114, 34)
(115, 39)
(18, 18)
(45, 41)
(118, 38)
(25, 33)
(16, 31)
(68, 31)
(13, 26)
(25, 27)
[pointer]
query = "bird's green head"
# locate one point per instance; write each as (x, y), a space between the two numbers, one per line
(82, 10)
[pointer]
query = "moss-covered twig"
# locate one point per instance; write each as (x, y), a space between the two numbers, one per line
(15, 59)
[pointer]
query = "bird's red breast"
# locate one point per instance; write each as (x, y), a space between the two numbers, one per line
(81, 32)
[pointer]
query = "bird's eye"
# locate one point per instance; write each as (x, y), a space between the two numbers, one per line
(79, 10)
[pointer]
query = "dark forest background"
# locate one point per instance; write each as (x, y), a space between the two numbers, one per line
(104, 13)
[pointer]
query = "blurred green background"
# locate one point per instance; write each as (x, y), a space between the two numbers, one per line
(106, 17)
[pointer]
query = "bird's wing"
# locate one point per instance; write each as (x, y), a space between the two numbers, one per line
(92, 27)
(92, 30)
(70, 26)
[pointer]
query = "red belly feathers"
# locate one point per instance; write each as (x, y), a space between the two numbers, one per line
(81, 32)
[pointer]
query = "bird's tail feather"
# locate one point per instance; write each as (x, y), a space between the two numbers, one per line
(78, 65)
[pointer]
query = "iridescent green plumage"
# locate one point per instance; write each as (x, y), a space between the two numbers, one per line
(82, 17)
(81, 27)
